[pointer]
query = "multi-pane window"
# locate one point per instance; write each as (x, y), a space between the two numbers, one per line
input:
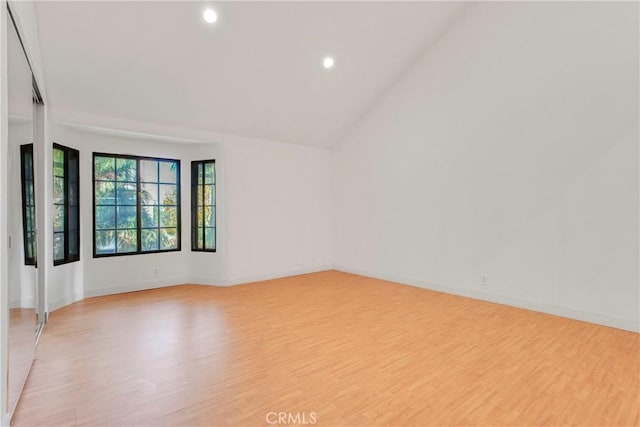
(136, 205)
(28, 204)
(66, 206)
(203, 205)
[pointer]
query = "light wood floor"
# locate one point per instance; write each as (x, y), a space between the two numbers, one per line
(21, 346)
(354, 351)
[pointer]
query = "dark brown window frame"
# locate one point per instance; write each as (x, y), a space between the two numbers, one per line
(70, 154)
(195, 204)
(138, 205)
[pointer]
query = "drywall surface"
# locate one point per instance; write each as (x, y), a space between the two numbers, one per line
(100, 276)
(278, 209)
(510, 151)
(273, 214)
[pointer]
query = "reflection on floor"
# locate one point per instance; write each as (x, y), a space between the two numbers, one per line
(347, 349)
(21, 345)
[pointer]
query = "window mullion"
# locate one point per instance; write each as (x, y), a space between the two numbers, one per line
(204, 242)
(138, 207)
(66, 205)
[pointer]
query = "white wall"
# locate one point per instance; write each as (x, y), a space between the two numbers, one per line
(4, 274)
(100, 276)
(25, 18)
(510, 150)
(273, 216)
(278, 209)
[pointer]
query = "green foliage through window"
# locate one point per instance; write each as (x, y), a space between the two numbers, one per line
(66, 205)
(28, 204)
(203, 205)
(136, 204)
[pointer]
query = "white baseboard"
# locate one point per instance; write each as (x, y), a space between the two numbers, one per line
(208, 281)
(28, 303)
(632, 325)
(63, 302)
(271, 276)
(592, 317)
(111, 290)
(144, 286)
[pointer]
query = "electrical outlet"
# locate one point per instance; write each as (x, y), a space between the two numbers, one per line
(155, 271)
(484, 280)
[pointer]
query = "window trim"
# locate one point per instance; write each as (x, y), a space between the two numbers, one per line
(139, 228)
(194, 206)
(67, 258)
(28, 149)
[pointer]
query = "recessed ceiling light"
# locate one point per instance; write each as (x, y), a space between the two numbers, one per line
(210, 16)
(328, 62)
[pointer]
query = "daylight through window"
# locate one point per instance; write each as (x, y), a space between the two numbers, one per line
(136, 205)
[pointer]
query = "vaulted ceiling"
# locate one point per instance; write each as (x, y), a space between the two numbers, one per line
(256, 72)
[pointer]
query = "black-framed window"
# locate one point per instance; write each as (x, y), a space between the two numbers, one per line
(203, 205)
(136, 205)
(28, 204)
(66, 205)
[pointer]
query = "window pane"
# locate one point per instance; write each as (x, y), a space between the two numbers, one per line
(149, 194)
(74, 218)
(200, 216)
(72, 193)
(168, 216)
(58, 190)
(148, 171)
(66, 212)
(149, 216)
(73, 243)
(127, 217)
(126, 170)
(200, 238)
(168, 238)
(210, 238)
(200, 173)
(73, 158)
(58, 218)
(168, 194)
(28, 203)
(126, 193)
(58, 246)
(209, 173)
(30, 195)
(209, 195)
(209, 216)
(72, 197)
(105, 168)
(150, 240)
(105, 242)
(27, 162)
(105, 193)
(30, 218)
(105, 217)
(127, 241)
(128, 235)
(58, 162)
(30, 245)
(168, 172)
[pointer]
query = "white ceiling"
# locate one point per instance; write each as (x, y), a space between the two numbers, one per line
(257, 72)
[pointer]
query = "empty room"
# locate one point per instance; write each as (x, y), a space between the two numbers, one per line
(306, 213)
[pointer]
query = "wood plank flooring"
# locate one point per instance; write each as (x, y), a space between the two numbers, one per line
(353, 351)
